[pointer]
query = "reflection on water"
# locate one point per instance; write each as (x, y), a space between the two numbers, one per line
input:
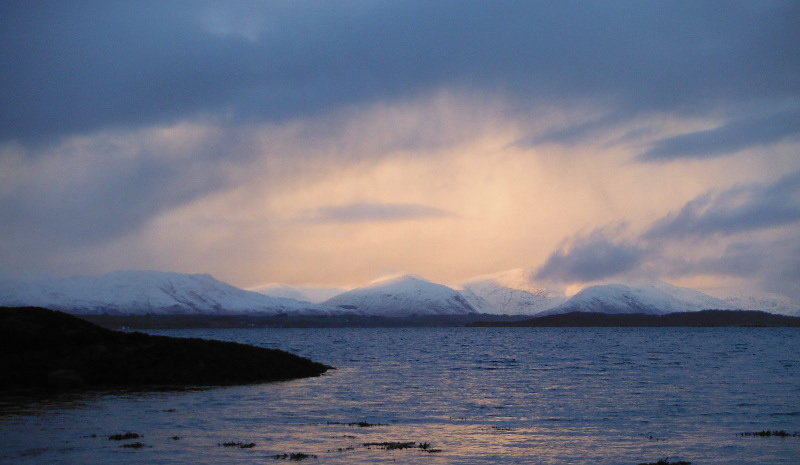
(479, 395)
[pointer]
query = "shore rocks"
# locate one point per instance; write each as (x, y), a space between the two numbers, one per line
(46, 348)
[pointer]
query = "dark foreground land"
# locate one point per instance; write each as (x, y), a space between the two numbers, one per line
(705, 318)
(44, 348)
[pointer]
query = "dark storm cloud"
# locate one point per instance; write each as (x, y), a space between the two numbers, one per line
(774, 264)
(678, 244)
(74, 67)
(739, 259)
(744, 208)
(590, 258)
(107, 69)
(785, 276)
(750, 207)
(85, 196)
(571, 134)
(729, 138)
(375, 212)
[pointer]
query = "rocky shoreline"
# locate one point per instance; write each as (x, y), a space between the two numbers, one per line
(41, 348)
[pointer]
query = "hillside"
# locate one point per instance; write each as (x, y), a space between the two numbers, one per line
(771, 303)
(510, 293)
(313, 294)
(653, 298)
(145, 292)
(402, 296)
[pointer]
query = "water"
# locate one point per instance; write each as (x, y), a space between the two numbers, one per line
(479, 395)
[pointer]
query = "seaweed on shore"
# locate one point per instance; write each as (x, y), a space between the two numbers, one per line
(776, 433)
(295, 456)
(667, 462)
(502, 428)
(360, 424)
(399, 445)
(390, 445)
(123, 437)
(426, 446)
(133, 445)
(239, 445)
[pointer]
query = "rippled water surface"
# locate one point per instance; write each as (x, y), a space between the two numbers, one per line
(477, 395)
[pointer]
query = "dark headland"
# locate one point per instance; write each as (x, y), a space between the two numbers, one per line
(41, 348)
(705, 318)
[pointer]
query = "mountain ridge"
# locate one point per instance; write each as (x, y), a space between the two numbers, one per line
(313, 294)
(647, 297)
(140, 291)
(511, 293)
(403, 296)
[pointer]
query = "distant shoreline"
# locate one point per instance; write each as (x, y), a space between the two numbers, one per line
(292, 321)
(706, 318)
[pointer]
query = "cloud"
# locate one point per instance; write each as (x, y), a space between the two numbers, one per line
(739, 209)
(74, 68)
(196, 131)
(86, 191)
(772, 264)
(728, 138)
(784, 277)
(590, 258)
(737, 259)
(375, 212)
(704, 238)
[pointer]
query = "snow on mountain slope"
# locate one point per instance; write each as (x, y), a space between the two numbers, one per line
(303, 293)
(510, 293)
(652, 298)
(772, 303)
(402, 296)
(144, 292)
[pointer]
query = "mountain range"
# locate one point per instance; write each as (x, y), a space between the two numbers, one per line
(506, 293)
(145, 292)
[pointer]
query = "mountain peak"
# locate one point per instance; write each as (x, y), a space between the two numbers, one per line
(511, 292)
(649, 297)
(144, 292)
(403, 295)
(313, 294)
(396, 278)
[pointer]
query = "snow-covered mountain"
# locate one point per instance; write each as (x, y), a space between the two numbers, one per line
(772, 303)
(145, 292)
(510, 293)
(303, 293)
(651, 298)
(402, 296)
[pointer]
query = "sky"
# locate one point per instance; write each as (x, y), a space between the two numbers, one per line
(330, 143)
